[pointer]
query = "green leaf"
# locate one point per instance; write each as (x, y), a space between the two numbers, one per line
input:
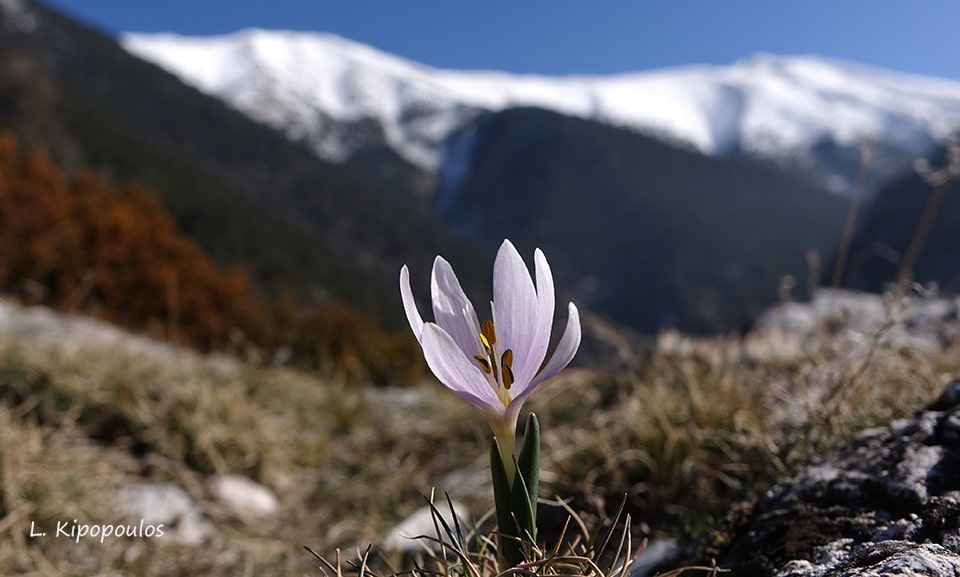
(528, 469)
(523, 510)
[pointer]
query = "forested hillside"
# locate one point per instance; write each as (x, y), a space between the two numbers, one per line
(114, 252)
(298, 225)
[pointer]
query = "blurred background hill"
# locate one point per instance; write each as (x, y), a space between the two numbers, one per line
(648, 225)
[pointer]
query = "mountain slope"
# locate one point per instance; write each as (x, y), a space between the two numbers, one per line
(246, 193)
(650, 235)
(892, 228)
(318, 88)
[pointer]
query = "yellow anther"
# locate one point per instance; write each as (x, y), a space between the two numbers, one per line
(484, 363)
(488, 362)
(488, 335)
(506, 369)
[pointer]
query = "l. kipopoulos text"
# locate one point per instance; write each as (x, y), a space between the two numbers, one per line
(77, 531)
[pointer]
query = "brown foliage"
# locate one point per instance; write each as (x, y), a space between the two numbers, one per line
(111, 252)
(336, 338)
(114, 252)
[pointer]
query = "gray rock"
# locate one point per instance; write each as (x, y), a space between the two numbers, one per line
(853, 320)
(887, 503)
(167, 505)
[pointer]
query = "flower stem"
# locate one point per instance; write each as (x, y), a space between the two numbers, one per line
(505, 435)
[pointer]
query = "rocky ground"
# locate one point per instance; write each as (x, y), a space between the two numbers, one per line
(887, 503)
(246, 463)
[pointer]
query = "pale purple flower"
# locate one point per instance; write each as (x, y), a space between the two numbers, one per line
(497, 364)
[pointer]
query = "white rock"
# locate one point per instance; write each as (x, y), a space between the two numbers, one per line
(243, 497)
(403, 537)
(657, 552)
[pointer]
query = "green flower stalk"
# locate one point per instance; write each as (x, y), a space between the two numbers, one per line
(496, 365)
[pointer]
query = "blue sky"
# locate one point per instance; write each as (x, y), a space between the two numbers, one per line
(578, 36)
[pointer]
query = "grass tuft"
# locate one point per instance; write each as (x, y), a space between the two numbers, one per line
(685, 432)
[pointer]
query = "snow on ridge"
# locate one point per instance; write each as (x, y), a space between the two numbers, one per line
(765, 104)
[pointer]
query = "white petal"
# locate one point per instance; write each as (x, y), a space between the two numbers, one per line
(452, 310)
(410, 304)
(566, 349)
(544, 323)
(515, 314)
(459, 373)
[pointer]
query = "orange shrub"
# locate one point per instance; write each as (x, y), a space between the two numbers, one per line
(114, 252)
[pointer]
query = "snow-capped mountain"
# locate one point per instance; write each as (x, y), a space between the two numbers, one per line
(321, 88)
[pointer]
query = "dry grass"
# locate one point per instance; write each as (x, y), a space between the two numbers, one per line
(345, 463)
(454, 550)
(684, 434)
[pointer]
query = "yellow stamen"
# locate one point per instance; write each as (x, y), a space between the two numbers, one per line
(486, 344)
(506, 370)
(484, 363)
(488, 336)
(488, 362)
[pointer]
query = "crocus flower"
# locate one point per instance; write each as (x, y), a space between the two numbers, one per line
(495, 365)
